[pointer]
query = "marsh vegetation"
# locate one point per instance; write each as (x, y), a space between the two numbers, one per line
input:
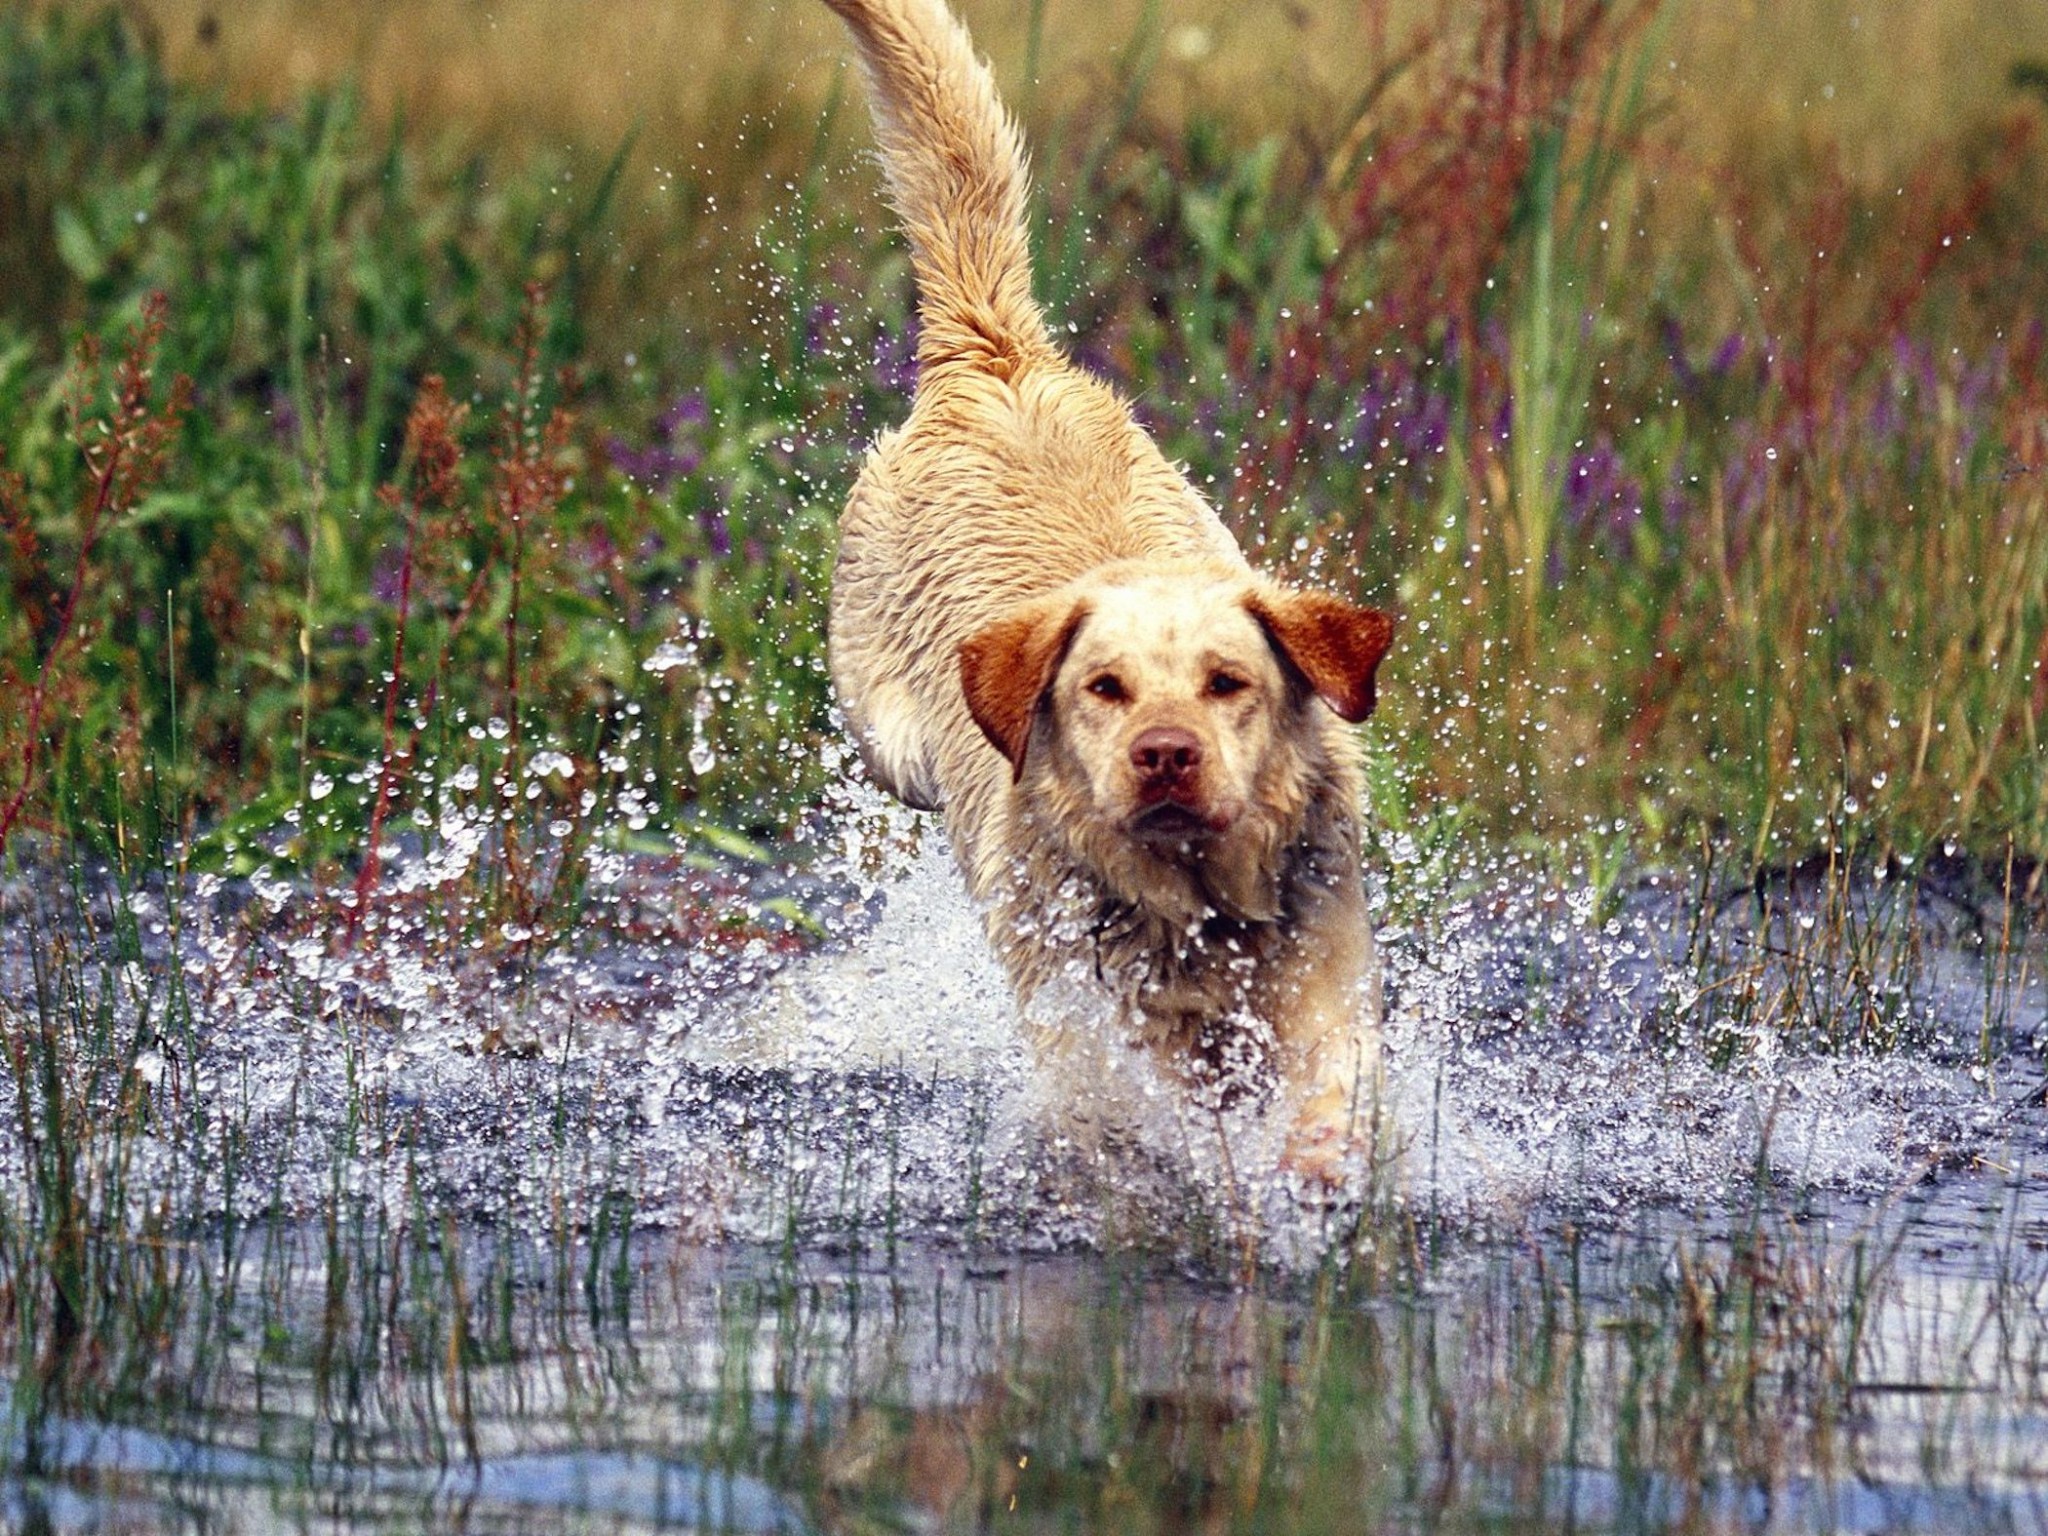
(475, 1053)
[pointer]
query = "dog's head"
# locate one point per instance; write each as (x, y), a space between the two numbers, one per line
(1168, 717)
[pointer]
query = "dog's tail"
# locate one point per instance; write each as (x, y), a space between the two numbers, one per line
(955, 167)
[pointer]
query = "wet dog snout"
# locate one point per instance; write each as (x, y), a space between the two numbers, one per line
(1165, 755)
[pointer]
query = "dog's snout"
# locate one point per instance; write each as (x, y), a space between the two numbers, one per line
(1166, 753)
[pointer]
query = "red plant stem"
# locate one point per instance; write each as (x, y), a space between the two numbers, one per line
(366, 876)
(518, 488)
(512, 623)
(513, 871)
(39, 697)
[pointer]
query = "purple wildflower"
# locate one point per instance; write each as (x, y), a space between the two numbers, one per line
(1673, 337)
(895, 369)
(1094, 357)
(387, 576)
(716, 531)
(1746, 476)
(820, 327)
(1601, 498)
(655, 466)
(1398, 411)
(673, 451)
(1887, 416)
(284, 417)
(687, 411)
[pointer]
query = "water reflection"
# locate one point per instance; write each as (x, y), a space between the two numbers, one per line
(1832, 1366)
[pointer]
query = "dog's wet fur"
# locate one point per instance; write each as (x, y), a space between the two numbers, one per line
(1041, 629)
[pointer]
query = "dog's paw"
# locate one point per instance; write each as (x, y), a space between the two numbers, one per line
(1323, 1164)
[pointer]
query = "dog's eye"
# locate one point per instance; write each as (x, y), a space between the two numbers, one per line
(1108, 687)
(1222, 685)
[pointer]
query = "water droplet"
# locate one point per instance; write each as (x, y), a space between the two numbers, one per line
(702, 758)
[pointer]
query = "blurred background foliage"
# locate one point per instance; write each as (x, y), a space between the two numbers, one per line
(1675, 369)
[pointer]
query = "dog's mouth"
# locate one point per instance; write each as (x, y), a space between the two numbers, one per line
(1171, 821)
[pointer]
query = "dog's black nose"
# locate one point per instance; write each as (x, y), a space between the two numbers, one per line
(1166, 752)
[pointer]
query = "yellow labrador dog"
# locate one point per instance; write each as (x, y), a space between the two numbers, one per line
(1041, 629)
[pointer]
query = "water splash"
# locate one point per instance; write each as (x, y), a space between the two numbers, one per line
(1550, 1047)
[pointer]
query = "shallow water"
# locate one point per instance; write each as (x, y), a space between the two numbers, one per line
(1537, 1060)
(667, 1230)
(755, 1390)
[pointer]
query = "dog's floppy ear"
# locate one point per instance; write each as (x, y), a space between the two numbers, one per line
(1006, 668)
(1336, 645)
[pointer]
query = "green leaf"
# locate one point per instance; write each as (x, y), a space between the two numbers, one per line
(736, 845)
(77, 248)
(786, 908)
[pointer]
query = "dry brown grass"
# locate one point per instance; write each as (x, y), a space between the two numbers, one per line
(725, 95)
(1881, 76)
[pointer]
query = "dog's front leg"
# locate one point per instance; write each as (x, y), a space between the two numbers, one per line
(1327, 1015)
